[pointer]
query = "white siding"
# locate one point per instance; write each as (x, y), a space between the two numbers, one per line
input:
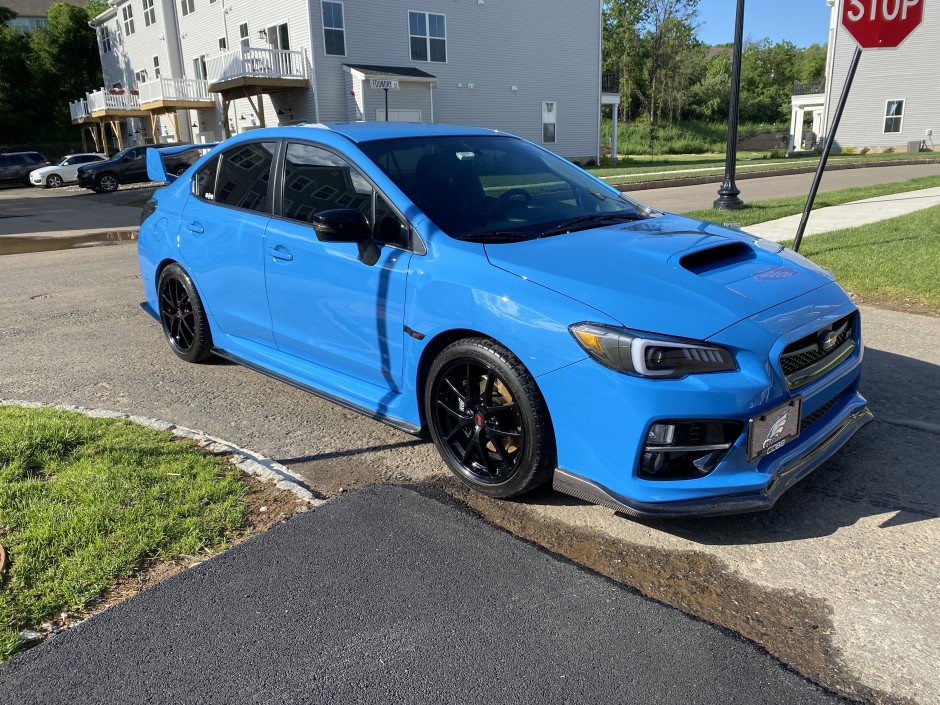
(908, 73)
(553, 54)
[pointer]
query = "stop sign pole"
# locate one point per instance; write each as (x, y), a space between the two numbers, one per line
(875, 24)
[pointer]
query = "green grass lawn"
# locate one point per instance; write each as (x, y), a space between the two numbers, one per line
(761, 211)
(640, 167)
(894, 260)
(85, 501)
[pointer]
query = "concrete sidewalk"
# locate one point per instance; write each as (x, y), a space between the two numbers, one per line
(848, 215)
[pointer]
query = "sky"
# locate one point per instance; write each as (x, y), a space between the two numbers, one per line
(802, 22)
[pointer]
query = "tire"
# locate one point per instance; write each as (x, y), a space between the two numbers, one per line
(488, 419)
(53, 181)
(107, 183)
(182, 315)
(180, 170)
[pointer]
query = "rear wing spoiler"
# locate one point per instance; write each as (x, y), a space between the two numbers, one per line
(156, 169)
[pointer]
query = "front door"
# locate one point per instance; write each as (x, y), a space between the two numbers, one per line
(327, 306)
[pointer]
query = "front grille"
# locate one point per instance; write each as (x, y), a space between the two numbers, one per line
(806, 351)
(809, 420)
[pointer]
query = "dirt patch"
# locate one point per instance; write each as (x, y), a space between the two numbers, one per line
(790, 625)
(267, 506)
(902, 305)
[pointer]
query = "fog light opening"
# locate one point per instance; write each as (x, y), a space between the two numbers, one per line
(684, 450)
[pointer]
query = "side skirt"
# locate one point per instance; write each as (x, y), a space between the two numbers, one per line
(391, 421)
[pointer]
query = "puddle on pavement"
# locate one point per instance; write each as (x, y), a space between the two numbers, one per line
(18, 245)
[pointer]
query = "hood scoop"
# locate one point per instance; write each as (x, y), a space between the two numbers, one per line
(713, 259)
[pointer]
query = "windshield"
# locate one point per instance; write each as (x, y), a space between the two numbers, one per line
(486, 187)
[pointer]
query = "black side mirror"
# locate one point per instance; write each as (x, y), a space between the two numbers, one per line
(347, 225)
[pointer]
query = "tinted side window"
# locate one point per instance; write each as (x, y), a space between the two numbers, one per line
(317, 180)
(204, 182)
(244, 173)
(4, 161)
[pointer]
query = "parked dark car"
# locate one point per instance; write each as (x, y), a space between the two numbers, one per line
(16, 166)
(128, 166)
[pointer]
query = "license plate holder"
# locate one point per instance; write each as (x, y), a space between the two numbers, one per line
(773, 429)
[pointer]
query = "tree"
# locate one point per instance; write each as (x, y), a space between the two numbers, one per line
(42, 71)
(652, 46)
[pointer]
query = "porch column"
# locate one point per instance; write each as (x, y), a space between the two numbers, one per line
(84, 140)
(793, 142)
(613, 135)
(104, 140)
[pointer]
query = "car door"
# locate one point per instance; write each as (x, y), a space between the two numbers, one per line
(133, 166)
(327, 306)
(221, 239)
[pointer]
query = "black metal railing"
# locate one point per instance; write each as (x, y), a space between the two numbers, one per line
(610, 83)
(809, 86)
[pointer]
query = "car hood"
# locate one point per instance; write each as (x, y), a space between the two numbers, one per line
(43, 170)
(668, 275)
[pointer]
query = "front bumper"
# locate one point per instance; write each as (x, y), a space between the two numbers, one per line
(87, 179)
(780, 482)
(601, 418)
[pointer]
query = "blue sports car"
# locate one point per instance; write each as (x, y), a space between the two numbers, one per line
(538, 323)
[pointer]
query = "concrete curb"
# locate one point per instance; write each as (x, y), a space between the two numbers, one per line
(718, 178)
(254, 464)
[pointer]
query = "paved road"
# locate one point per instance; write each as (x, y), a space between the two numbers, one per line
(68, 211)
(687, 198)
(387, 596)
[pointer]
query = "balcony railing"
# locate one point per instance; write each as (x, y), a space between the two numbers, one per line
(256, 63)
(174, 90)
(809, 86)
(106, 100)
(610, 83)
(79, 109)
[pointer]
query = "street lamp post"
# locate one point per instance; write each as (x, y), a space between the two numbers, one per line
(728, 193)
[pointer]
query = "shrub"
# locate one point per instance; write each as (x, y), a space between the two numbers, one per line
(848, 150)
(864, 150)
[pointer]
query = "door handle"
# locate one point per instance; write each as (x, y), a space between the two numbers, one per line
(195, 227)
(281, 253)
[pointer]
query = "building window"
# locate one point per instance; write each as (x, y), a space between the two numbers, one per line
(140, 76)
(187, 6)
(334, 32)
(118, 38)
(549, 114)
(428, 37)
(150, 14)
(105, 40)
(894, 114)
(199, 67)
(243, 35)
(156, 67)
(277, 37)
(128, 12)
(223, 45)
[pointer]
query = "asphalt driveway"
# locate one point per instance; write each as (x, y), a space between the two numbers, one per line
(385, 596)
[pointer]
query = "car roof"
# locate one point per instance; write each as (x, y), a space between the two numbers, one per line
(368, 131)
(358, 132)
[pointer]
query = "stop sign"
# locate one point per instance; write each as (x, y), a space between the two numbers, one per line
(880, 24)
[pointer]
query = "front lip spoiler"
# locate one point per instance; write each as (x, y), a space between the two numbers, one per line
(784, 479)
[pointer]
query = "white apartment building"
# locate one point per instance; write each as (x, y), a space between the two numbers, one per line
(201, 70)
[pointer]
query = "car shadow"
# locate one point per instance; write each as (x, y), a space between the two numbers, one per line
(888, 468)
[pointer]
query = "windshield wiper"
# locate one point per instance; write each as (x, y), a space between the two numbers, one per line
(586, 221)
(498, 235)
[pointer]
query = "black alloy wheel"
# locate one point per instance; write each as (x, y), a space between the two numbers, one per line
(53, 181)
(182, 315)
(488, 419)
(107, 183)
(180, 170)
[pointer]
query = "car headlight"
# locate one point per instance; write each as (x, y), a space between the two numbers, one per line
(646, 355)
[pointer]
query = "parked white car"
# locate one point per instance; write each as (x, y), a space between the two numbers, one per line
(65, 171)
